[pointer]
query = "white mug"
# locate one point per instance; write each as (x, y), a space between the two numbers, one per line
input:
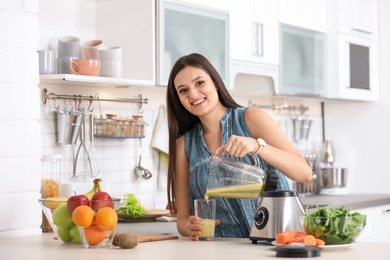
(46, 61)
(68, 46)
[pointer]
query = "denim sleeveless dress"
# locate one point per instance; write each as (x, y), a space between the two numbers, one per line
(236, 215)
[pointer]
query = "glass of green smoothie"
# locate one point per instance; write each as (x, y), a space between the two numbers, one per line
(205, 210)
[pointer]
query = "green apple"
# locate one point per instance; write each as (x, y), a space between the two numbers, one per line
(62, 217)
(75, 234)
(64, 234)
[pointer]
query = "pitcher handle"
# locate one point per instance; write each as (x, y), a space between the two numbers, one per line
(254, 156)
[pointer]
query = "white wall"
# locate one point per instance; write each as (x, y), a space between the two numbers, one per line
(361, 130)
(20, 152)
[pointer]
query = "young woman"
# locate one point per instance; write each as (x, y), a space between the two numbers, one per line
(204, 120)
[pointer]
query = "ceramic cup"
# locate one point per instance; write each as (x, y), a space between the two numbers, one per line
(112, 53)
(90, 49)
(68, 46)
(205, 210)
(111, 69)
(63, 64)
(89, 67)
(46, 61)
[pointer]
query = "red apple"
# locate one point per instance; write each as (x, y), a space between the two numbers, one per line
(77, 200)
(100, 200)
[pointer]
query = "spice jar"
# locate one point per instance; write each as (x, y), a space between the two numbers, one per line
(139, 125)
(111, 125)
(50, 182)
(129, 128)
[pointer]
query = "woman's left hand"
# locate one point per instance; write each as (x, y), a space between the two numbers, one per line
(238, 146)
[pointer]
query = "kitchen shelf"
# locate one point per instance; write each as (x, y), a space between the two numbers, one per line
(72, 79)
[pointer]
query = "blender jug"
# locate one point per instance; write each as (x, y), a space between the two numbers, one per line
(233, 179)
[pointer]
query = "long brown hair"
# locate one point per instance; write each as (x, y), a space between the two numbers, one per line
(179, 119)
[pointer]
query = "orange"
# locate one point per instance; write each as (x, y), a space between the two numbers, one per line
(83, 216)
(106, 218)
(94, 235)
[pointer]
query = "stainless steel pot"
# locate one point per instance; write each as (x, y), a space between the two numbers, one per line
(333, 177)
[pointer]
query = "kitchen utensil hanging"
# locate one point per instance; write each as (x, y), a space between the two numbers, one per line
(140, 171)
(68, 126)
(95, 169)
(82, 145)
(301, 127)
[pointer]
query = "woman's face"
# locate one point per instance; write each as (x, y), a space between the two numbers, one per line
(196, 90)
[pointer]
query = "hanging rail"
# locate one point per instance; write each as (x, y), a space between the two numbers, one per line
(301, 108)
(79, 98)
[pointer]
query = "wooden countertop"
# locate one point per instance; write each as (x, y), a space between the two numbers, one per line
(45, 247)
(354, 201)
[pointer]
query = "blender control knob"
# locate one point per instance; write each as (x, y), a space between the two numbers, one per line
(261, 218)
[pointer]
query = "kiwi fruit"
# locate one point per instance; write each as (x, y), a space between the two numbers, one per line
(125, 240)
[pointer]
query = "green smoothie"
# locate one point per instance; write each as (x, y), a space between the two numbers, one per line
(245, 191)
(208, 228)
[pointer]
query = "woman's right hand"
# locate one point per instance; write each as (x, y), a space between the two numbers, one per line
(194, 228)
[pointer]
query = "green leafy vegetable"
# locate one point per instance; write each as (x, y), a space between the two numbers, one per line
(334, 225)
(129, 204)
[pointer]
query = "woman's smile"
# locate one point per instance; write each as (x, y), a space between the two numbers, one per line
(198, 102)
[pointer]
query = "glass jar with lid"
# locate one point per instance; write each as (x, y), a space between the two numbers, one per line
(50, 181)
(139, 125)
(111, 125)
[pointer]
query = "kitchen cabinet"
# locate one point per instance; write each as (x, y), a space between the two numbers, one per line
(306, 14)
(184, 28)
(253, 28)
(353, 50)
(130, 24)
(358, 68)
(378, 224)
(302, 62)
(254, 31)
(358, 17)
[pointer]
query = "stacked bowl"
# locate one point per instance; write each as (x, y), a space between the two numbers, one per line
(111, 61)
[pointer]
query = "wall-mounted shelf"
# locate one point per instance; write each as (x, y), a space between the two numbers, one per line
(72, 79)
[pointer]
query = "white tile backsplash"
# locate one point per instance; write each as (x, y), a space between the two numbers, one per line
(20, 142)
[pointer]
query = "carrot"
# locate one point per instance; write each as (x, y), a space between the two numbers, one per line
(306, 239)
(284, 238)
(320, 242)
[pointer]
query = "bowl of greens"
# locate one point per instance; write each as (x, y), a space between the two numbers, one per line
(335, 226)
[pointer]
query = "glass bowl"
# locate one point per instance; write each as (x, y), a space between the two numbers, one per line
(334, 230)
(60, 219)
(95, 237)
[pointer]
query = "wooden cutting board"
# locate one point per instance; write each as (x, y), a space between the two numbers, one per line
(142, 237)
(154, 237)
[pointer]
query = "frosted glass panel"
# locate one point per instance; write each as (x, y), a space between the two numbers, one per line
(188, 29)
(303, 63)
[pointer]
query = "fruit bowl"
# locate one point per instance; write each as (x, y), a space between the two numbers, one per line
(60, 218)
(95, 237)
(334, 230)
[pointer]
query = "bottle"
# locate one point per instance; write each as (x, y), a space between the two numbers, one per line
(50, 182)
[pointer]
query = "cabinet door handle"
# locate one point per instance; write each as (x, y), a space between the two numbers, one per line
(257, 39)
(386, 211)
(360, 30)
